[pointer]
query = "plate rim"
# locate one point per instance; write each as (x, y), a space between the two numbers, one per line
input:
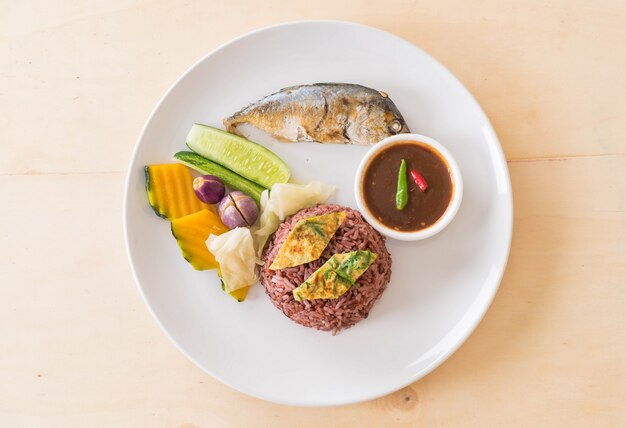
(498, 153)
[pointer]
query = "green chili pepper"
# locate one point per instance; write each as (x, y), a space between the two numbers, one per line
(402, 193)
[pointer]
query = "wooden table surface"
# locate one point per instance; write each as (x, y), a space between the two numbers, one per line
(79, 348)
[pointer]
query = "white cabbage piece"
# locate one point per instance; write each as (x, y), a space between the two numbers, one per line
(234, 251)
(283, 200)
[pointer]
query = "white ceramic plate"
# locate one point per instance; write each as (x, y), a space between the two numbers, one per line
(440, 287)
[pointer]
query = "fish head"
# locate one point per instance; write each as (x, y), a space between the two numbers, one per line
(392, 116)
(378, 120)
(395, 123)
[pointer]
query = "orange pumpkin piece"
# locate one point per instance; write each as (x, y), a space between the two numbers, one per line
(191, 233)
(170, 191)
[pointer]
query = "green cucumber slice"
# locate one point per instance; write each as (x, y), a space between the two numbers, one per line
(244, 157)
(205, 166)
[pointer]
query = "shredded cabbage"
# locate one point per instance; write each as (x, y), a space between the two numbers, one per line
(234, 251)
(283, 200)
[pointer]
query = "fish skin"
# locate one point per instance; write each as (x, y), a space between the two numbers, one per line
(338, 113)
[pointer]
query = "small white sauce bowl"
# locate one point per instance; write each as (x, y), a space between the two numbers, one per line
(448, 214)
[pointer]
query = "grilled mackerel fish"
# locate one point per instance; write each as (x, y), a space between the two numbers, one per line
(337, 113)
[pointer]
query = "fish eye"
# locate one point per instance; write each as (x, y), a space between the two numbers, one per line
(396, 126)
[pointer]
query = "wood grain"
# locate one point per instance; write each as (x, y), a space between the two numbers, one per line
(79, 348)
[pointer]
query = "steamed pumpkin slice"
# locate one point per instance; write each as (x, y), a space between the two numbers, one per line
(191, 233)
(336, 276)
(239, 294)
(307, 240)
(170, 191)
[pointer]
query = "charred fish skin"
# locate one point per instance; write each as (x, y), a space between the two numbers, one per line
(337, 113)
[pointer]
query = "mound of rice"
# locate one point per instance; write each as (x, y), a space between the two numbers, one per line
(328, 314)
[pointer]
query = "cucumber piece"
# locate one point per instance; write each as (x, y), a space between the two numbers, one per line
(205, 166)
(244, 157)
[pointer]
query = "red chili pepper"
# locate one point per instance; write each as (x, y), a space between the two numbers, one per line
(419, 180)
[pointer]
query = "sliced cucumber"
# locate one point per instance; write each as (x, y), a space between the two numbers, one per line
(205, 166)
(244, 157)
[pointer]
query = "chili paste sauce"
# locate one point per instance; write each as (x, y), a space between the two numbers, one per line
(423, 208)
